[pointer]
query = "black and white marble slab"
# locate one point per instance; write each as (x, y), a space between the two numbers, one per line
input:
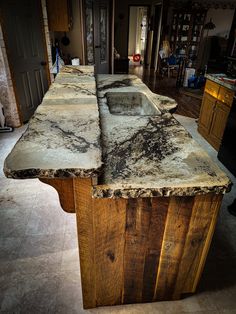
(63, 136)
(69, 90)
(141, 153)
(131, 83)
(147, 156)
(80, 70)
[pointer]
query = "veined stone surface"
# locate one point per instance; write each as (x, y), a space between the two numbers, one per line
(150, 155)
(144, 153)
(63, 137)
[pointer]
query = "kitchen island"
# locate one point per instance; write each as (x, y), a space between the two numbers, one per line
(146, 196)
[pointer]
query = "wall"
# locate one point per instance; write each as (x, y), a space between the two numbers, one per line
(7, 96)
(47, 35)
(222, 18)
(75, 48)
(122, 23)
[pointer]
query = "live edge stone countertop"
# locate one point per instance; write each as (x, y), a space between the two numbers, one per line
(63, 136)
(134, 154)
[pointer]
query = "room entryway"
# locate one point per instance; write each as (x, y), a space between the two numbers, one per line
(138, 30)
(26, 49)
(97, 30)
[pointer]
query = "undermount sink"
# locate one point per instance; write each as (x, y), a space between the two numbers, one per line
(130, 104)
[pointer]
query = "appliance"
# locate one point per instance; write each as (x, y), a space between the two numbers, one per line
(227, 151)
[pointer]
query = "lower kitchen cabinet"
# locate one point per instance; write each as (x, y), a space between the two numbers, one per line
(206, 114)
(213, 116)
(219, 119)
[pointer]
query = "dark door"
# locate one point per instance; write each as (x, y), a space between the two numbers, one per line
(101, 36)
(97, 24)
(25, 43)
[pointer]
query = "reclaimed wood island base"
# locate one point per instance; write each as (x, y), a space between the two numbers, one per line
(145, 194)
(138, 250)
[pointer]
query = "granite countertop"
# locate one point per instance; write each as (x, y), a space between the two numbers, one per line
(136, 154)
(216, 78)
(63, 136)
(150, 155)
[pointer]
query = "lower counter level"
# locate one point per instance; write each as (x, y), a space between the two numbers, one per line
(138, 250)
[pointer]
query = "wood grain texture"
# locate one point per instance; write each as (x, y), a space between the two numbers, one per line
(212, 205)
(204, 208)
(138, 215)
(86, 236)
(138, 250)
(155, 236)
(109, 221)
(65, 190)
(176, 227)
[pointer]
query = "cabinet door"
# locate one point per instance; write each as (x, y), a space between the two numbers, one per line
(58, 15)
(219, 120)
(206, 113)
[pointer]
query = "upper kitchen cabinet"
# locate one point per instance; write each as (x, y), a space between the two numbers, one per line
(59, 15)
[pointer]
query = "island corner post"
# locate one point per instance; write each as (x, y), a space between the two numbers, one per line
(139, 249)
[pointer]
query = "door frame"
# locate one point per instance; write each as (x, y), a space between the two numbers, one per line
(148, 6)
(5, 38)
(111, 34)
(157, 33)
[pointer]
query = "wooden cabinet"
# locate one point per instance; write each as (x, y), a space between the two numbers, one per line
(59, 15)
(219, 119)
(206, 114)
(215, 109)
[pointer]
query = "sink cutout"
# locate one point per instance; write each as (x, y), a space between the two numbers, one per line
(130, 104)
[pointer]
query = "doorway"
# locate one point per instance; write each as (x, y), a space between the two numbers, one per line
(97, 32)
(26, 50)
(138, 30)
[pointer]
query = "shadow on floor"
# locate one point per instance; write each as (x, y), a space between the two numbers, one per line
(220, 268)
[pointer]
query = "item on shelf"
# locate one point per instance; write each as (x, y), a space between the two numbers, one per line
(75, 61)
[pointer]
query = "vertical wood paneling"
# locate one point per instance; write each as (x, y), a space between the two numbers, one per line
(155, 236)
(109, 221)
(137, 225)
(86, 237)
(202, 213)
(139, 250)
(177, 222)
(210, 205)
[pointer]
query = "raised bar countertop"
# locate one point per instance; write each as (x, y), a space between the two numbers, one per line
(63, 136)
(143, 154)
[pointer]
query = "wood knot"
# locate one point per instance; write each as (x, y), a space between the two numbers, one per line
(111, 255)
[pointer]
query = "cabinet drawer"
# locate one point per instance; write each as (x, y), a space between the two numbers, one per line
(212, 88)
(226, 96)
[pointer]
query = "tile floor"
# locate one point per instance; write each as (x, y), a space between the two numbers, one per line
(39, 264)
